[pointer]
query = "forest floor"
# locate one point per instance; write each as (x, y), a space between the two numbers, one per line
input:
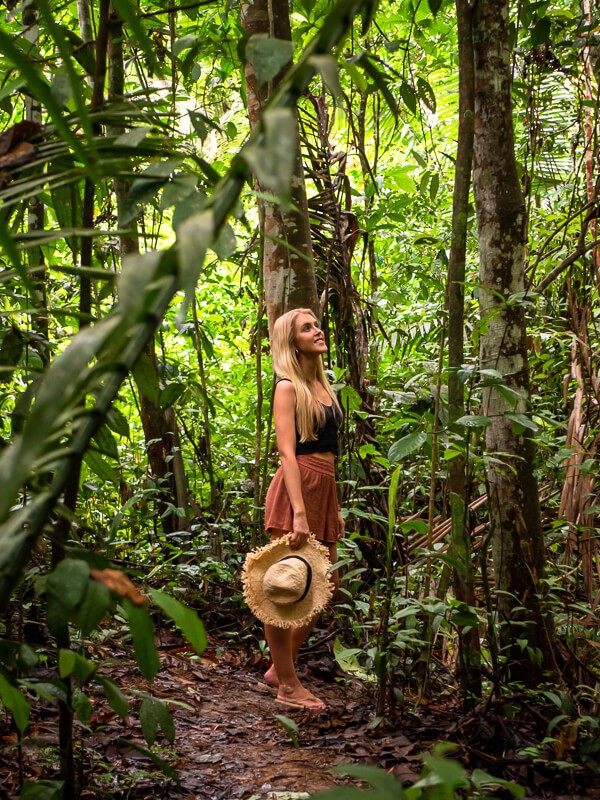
(230, 745)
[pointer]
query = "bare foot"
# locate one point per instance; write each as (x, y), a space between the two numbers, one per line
(299, 698)
(271, 678)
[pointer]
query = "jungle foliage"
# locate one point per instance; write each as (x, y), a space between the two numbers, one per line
(135, 380)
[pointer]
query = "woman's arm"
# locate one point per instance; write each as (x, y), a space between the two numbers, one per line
(284, 415)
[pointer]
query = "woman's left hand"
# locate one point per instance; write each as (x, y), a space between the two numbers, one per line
(341, 525)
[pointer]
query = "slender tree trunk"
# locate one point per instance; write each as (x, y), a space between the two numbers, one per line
(469, 646)
(35, 207)
(165, 460)
(288, 271)
(580, 487)
(515, 523)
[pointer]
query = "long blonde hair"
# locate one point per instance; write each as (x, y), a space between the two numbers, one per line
(310, 413)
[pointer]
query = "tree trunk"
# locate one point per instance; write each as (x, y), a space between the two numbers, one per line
(469, 646)
(165, 460)
(515, 523)
(288, 270)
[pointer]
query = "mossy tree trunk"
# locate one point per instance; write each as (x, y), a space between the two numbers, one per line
(515, 523)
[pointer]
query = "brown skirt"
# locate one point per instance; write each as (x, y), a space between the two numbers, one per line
(317, 479)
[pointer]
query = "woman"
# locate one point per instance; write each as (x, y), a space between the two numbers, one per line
(302, 497)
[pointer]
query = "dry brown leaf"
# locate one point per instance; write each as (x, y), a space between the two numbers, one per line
(119, 583)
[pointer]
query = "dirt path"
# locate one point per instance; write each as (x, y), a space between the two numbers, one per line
(229, 744)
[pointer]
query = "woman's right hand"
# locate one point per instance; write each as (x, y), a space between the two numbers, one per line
(300, 533)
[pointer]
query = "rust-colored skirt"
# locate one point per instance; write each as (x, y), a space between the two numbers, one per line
(317, 479)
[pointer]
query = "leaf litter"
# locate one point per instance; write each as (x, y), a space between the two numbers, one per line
(232, 741)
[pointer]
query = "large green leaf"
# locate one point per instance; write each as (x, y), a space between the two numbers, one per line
(406, 445)
(154, 714)
(268, 55)
(185, 618)
(94, 605)
(13, 699)
(72, 663)
(115, 697)
(142, 633)
(146, 379)
(273, 161)
(42, 790)
(194, 237)
(69, 582)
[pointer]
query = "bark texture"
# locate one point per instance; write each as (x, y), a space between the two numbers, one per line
(288, 270)
(165, 460)
(515, 524)
(464, 589)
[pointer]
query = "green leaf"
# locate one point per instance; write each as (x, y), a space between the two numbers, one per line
(106, 442)
(407, 93)
(12, 698)
(61, 87)
(268, 55)
(154, 714)
(142, 633)
(146, 379)
(11, 350)
(178, 190)
(380, 81)
(449, 773)
(226, 244)
(93, 607)
(101, 468)
(82, 706)
(386, 785)
(523, 421)
(51, 692)
(183, 43)
(185, 618)
(350, 400)
(434, 186)
(115, 697)
(273, 162)
(434, 6)
(290, 727)
(60, 388)
(156, 760)
(426, 93)
(328, 68)
(171, 394)
(42, 790)
(407, 445)
(392, 495)
(133, 137)
(117, 422)
(69, 582)
(194, 237)
(540, 33)
(72, 663)
(473, 421)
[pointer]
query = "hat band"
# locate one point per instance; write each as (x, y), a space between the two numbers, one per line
(308, 576)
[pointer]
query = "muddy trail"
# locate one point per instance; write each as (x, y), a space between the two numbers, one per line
(234, 742)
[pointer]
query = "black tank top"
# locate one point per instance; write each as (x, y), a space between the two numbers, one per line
(326, 441)
(327, 434)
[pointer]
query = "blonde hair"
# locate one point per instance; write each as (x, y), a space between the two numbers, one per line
(310, 413)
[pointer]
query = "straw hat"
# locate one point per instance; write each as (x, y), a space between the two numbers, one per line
(285, 587)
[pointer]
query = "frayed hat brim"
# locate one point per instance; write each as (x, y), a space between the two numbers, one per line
(297, 614)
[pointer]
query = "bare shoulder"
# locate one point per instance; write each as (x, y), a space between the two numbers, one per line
(285, 392)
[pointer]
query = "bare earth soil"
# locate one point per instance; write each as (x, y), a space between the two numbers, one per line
(229, 744)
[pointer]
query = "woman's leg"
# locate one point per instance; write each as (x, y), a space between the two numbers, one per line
(299, 635)
(284, 644)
